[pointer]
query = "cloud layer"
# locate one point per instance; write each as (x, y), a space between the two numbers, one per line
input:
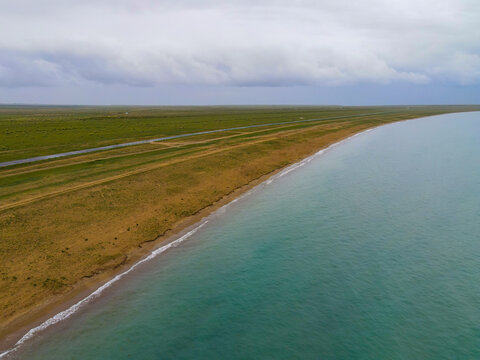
(238, 43)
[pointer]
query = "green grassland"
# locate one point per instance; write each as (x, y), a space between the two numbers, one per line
(69, 219)
(27, 132)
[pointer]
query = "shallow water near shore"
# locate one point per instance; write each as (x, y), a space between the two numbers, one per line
(369, 251)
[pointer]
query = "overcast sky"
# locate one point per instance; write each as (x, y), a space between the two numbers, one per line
(239, 51)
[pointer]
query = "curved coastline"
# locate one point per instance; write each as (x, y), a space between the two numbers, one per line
(62, 312)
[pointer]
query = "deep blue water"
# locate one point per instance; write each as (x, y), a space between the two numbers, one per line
(369, 251)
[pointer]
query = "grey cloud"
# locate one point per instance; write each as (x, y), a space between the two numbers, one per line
(238, 43)
(19, 70)
(240, 67)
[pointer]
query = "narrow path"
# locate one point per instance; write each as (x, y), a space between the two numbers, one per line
(48, 166)
(84, 151)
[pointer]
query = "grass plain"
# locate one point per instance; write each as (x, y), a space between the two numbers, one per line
(72, 221)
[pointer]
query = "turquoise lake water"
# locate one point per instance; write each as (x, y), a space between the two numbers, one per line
(369, 251)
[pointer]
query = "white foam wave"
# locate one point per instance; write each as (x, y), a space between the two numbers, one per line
(288, 170)
(74, 308)
(310, 158)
